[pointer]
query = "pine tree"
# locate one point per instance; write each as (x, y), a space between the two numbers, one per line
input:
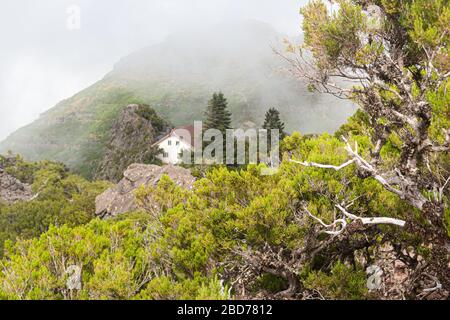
(272, 121)
(218, 117)
(217, 114)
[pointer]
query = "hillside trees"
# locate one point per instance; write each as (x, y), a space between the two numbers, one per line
(395, 66)
(217, 114)
(272, 121)
(236, 233)
(217, 117)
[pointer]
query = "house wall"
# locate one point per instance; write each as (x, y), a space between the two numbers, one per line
(173, 149)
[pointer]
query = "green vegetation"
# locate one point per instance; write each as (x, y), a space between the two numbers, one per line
(217, 114)
(272, 121)
(61, 199)
(146, 112)
(297, 234)
(131, 137)
(342, 282)
(178, 248)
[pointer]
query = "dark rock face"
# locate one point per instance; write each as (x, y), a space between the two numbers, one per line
(12, 190)
(132, 135)
(121, 199)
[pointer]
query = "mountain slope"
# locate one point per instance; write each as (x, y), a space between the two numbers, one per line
(176, 78)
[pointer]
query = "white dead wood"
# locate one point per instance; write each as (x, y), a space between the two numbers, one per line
(441, 190)
(324, 166)
(400, 187)
(356, 158)
(372, 220)
(343, 223)
(438, 285)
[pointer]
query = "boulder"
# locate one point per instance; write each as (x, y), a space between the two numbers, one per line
(12, 190)
(120, 198)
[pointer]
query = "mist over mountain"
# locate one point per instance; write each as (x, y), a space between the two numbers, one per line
(176, 78)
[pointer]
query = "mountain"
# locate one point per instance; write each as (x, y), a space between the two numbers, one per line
(176, 78)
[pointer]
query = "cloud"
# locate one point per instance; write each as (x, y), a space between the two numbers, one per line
(43, 61)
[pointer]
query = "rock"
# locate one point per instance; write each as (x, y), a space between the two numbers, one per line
(131, 138)
(401, 272)
(374, 280)
(8, 160)
(120, 198)
(12, 190)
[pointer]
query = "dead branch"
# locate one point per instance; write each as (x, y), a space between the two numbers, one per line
(343, 223)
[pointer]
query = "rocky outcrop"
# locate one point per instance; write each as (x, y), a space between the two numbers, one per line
(132, 135)
(12, 190)
(121, 199)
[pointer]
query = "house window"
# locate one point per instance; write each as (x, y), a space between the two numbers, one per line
(170, 142)
(178, 143)
(181, 137)
(165, 155)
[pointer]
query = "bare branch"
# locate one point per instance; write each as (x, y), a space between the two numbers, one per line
(441, 190)
(334, 224)
(324, 166)
(376, 220)
(344, 224)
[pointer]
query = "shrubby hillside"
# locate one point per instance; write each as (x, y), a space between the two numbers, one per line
(236, 234)
(59, 198)
(363, 213)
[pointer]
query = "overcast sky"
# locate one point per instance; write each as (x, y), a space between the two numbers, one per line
(45, 57)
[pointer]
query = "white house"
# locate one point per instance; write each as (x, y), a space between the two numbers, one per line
(174, 143)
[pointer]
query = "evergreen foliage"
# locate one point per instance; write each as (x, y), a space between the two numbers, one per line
(241, 234)
(272, 121)
(217, 114)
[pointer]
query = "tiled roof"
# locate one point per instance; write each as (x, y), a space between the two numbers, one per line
(179, 131)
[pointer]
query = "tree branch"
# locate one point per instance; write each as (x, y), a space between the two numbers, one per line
(324, 166)
(344, 224)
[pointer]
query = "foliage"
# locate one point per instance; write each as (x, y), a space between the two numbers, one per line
(217, 114)
(394, 55)
(183, 241)
(272, 121)
(342, 282)
(61, 199)
(146, 112)
(248, 235)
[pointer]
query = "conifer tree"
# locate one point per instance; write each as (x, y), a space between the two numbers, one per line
(273, 121)
(217, 114)
(218, 117)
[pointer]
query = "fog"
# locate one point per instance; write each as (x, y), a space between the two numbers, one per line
(45, 57)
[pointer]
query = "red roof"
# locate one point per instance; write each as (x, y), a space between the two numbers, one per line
(180, 131)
